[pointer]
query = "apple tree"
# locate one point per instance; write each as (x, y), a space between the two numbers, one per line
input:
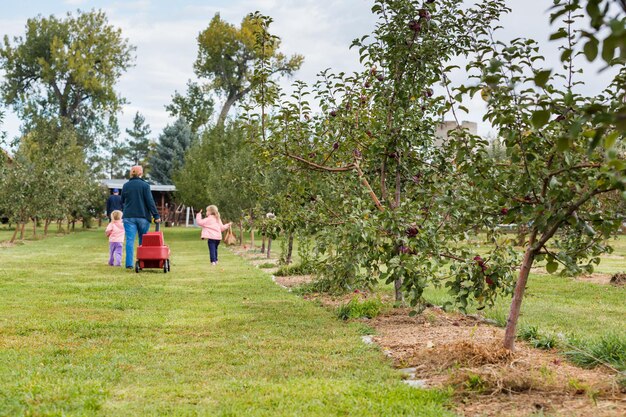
(48, 179)
(561, 163)
(390, 210)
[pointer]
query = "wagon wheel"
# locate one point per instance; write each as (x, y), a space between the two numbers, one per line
(137, 269)
(165, 268)
(168, 265)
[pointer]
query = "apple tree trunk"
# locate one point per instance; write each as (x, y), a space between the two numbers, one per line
(398, 287)
(518, 295)
(17, 228)
(289, 249)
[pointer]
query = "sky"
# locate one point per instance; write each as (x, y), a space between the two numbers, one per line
(164, 33)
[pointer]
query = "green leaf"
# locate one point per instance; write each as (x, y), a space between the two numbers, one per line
(566, 55)
(551, 267)
(540, 118)
(608, 49)
(610, 139)
(562, 143)
(591, 49)
(559, 34)
(542, 77)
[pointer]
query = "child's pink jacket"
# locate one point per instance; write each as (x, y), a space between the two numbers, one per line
(115, 231)
(211, 227)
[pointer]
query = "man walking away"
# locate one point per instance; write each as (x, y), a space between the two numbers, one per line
(114, 202)
(139, 210)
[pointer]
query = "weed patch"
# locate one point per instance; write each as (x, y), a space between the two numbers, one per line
(323, 285)
(538, 340)
(356, 309)
(295, 269)
(608, 350)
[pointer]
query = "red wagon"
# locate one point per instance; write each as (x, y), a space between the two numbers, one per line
(153, 253)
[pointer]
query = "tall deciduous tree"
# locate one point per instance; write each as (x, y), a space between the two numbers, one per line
(170, 150)
(65, 67)
(195, 107)
(139, 142)
(2, 133)
(227, 56)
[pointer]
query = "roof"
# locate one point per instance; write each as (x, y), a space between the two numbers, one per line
(119, 183)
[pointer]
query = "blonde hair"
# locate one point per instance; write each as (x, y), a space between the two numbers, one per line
(214, 211)
(116, 215)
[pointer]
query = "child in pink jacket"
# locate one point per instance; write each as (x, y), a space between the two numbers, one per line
(212, 229)
(115, 232)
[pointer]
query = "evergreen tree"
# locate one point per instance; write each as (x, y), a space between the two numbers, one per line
(138, 143)
(111, 159)
(169, 154)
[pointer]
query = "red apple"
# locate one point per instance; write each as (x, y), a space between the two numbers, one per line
(415, 26)
(411, 231)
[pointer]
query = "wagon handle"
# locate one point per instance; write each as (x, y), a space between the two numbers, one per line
(158, 226)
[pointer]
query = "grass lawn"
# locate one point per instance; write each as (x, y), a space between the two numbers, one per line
(581, 310)
(555, 304)
(80, 338)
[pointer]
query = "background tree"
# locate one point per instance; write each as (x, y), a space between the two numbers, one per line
(2, 133)
(111, 159)
(118, 153)
(195, 107)
(220, 169)
(139, 146)
(170, 150)
(66, 68)
(227, 56)
(49, 178)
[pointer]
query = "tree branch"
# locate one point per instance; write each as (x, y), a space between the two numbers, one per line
(318, 167)
(368, 186)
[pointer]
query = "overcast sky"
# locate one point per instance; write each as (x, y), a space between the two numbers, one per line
(165, 32)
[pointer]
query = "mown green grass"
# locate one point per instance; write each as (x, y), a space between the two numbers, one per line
(556, 304)
(78, 337)
(582, 311)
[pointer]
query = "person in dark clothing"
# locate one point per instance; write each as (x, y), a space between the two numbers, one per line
(139, 209)
(114, 202)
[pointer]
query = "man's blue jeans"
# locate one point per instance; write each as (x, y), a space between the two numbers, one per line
(133, 227)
